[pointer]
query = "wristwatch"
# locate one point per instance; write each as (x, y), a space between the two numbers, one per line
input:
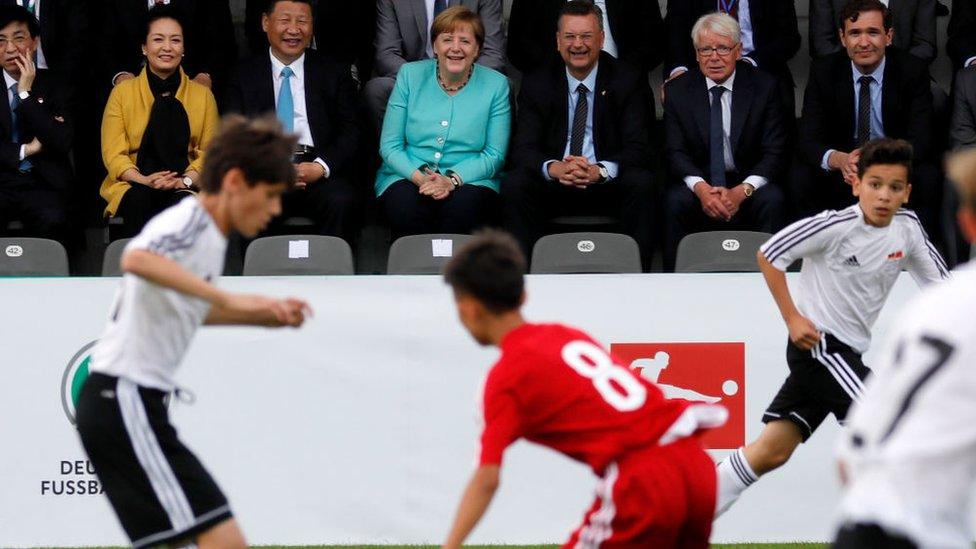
(23, 95)
(604, 172)
(187, 182)
(748, 189)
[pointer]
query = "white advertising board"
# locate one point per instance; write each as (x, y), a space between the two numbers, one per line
(362, 427)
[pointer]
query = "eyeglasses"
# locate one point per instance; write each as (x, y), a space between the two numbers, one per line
(708, 51)
(587, 38)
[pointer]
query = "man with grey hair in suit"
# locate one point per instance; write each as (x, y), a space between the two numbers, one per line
(403, 35)
(913, 22)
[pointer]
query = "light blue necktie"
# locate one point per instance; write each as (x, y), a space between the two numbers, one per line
(25, 165)
(286, 103)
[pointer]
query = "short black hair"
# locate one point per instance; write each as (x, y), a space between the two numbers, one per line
(885, 151)
(19, 14)
(163, 11)
(491, 269)
(853, 10)
(310, 3)
(580, 7)
(258, 147)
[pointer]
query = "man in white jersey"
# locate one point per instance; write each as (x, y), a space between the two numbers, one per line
(851, 259)
(909, 453)
(159, 490)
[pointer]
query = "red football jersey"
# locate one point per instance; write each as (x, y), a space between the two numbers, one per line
(556, 386)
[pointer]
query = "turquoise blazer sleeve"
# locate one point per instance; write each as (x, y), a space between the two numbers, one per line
(466, 133)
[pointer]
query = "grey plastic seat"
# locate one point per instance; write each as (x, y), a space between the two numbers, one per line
(423, 253)
(719, 252)
(32, 257)
(298, 255)
(112, 257)
(587, 252)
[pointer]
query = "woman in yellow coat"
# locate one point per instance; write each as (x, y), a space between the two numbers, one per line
(155, 129)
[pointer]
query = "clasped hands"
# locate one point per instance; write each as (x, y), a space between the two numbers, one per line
(575, 171)
(719, 203)
(432, 184)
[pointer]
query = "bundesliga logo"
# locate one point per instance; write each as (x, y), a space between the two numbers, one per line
(73, 379)
(702, 372)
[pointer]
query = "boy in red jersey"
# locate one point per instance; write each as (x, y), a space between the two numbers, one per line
(556, 386)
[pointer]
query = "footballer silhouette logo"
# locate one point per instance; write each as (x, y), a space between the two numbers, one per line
(713, 373)
(73, 379)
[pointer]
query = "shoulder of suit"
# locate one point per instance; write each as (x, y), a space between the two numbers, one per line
(491, 75)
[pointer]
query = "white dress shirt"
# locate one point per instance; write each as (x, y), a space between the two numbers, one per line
(430, 21)
(877, 123)
(589, 151)
(297, 84)
(755, 180)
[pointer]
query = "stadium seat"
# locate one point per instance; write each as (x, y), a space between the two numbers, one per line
(719, 252)
(423, 253)
(113, 255)
(298, 255)
(588, 252)
(32, 257)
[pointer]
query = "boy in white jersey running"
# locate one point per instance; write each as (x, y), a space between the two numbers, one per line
(909, 453)
(851, 259)
(161, 493)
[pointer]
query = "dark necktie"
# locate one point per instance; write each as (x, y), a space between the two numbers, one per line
(730, 7)
(864, 111)
(579, 122)
(439, 6)
(25, 165)
(716, 140)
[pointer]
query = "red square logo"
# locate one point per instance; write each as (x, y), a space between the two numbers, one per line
(707, 372)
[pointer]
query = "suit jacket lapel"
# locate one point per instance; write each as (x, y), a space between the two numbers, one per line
(5, 118)
(265, 90)
(601, 95)
(700, 106)
(741, 104)
(889, 92)
(420, 16)
(561, 85)
(844, 88)
(313, 106)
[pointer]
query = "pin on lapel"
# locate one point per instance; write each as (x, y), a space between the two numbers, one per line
(603, 92)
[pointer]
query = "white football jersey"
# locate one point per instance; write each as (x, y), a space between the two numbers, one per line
(150, 327)
(910, 446)
(850, 266)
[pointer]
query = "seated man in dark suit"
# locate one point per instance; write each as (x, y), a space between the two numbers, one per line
(35, 136)
(913, 22)
(726, 141)
(768, 30)
(314, 98)
(344, 30)
(634, 32)
(864, 92)
(581, 142)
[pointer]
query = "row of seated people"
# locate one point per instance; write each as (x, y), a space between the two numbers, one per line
(443, 150)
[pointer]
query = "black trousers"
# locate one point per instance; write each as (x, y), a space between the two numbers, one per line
(466, 209)
(869, 536)
(141, 203)
(334, 204)
(763, 211)
(529, 201)
(41, 209)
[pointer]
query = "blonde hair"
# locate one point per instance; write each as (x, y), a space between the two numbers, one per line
(720, 23)
(450, 19)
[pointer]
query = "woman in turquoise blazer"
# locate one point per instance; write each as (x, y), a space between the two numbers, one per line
(445, 135)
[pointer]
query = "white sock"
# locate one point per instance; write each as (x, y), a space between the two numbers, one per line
(734, 476)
